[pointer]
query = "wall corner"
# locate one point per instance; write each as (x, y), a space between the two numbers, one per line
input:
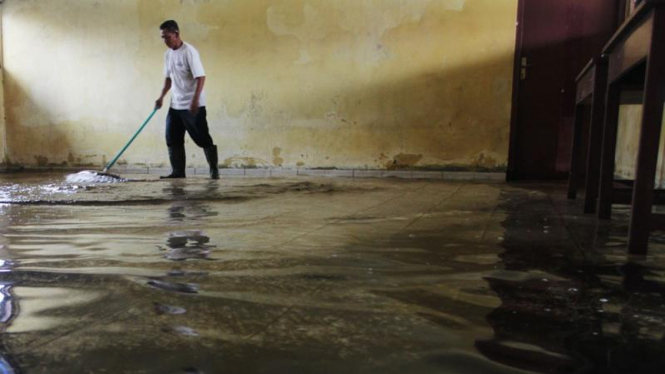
(4, 157)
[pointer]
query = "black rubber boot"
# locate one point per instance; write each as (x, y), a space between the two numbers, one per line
(177, 158)
(211, 157)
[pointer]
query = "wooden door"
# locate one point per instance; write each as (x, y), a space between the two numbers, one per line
(555, 39)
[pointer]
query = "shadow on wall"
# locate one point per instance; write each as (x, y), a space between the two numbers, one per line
(62, 95)
(40, 140)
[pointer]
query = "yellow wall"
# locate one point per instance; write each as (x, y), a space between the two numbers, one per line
(312, 83)
(3, 138)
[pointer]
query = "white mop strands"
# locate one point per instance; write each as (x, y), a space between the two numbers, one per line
(91, 177)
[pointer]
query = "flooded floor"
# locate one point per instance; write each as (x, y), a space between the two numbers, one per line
(309, 275)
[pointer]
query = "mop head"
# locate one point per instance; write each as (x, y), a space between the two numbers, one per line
(90, 177)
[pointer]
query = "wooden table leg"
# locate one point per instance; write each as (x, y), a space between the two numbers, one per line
(647, 155)
(595, 139)
(605, 192)
(578, 132)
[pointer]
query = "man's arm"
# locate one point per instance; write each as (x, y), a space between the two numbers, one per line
(165, 90)
(200, 82)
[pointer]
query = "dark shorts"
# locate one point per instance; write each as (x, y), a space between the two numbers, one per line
(179, 121)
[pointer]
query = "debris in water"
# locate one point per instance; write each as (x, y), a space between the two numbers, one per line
(182, 330)
(168, 309)
(176, 273)
(177, 287)
(192, 370)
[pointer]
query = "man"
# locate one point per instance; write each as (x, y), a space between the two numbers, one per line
(184, 74)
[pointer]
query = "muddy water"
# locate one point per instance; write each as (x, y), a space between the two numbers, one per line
(318, 276)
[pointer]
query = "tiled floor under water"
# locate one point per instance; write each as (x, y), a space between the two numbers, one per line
(307, 275)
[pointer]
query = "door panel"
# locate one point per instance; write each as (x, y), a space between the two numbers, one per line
(556, 38)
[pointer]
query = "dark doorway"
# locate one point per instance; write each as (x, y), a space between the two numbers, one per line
(555, 40)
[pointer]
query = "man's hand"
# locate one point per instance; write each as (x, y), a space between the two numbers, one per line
(167, 87)
(194, 107)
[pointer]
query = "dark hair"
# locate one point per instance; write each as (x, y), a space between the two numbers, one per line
(170, 25)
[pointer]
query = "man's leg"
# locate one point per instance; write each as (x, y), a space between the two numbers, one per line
(197, 127)
(175, 141)
(211, 157)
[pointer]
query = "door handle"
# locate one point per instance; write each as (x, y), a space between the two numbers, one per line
(524, 66)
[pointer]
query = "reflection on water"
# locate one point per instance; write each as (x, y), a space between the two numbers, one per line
(168, 309)
(174, 286)
(351, 276)
(577, 314)
(8, 311)
(181, 211)
(15, 193)
(186, 245)
(175, 189)
(181, 330)
(183, 208)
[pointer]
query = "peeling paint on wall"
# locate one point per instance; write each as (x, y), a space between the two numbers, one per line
(402, 160)
(367, 24)
(244, 162)
(277, 160)
(290, 83)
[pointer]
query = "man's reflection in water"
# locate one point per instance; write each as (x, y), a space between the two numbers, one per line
(186, 245)
(578, 316)
(177, 192)
(190, 205)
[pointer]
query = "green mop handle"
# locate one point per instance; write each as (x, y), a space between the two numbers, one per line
(110, 164)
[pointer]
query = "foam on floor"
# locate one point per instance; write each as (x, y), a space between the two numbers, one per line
(90, 177)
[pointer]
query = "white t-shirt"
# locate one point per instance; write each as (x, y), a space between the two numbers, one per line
(183, 66)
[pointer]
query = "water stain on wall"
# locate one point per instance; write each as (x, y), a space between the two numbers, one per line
(277, 160)
(41, 160)
(486, 161)
(403, 161)
(244, 162)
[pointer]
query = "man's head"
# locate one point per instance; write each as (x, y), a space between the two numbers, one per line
(171, 34)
